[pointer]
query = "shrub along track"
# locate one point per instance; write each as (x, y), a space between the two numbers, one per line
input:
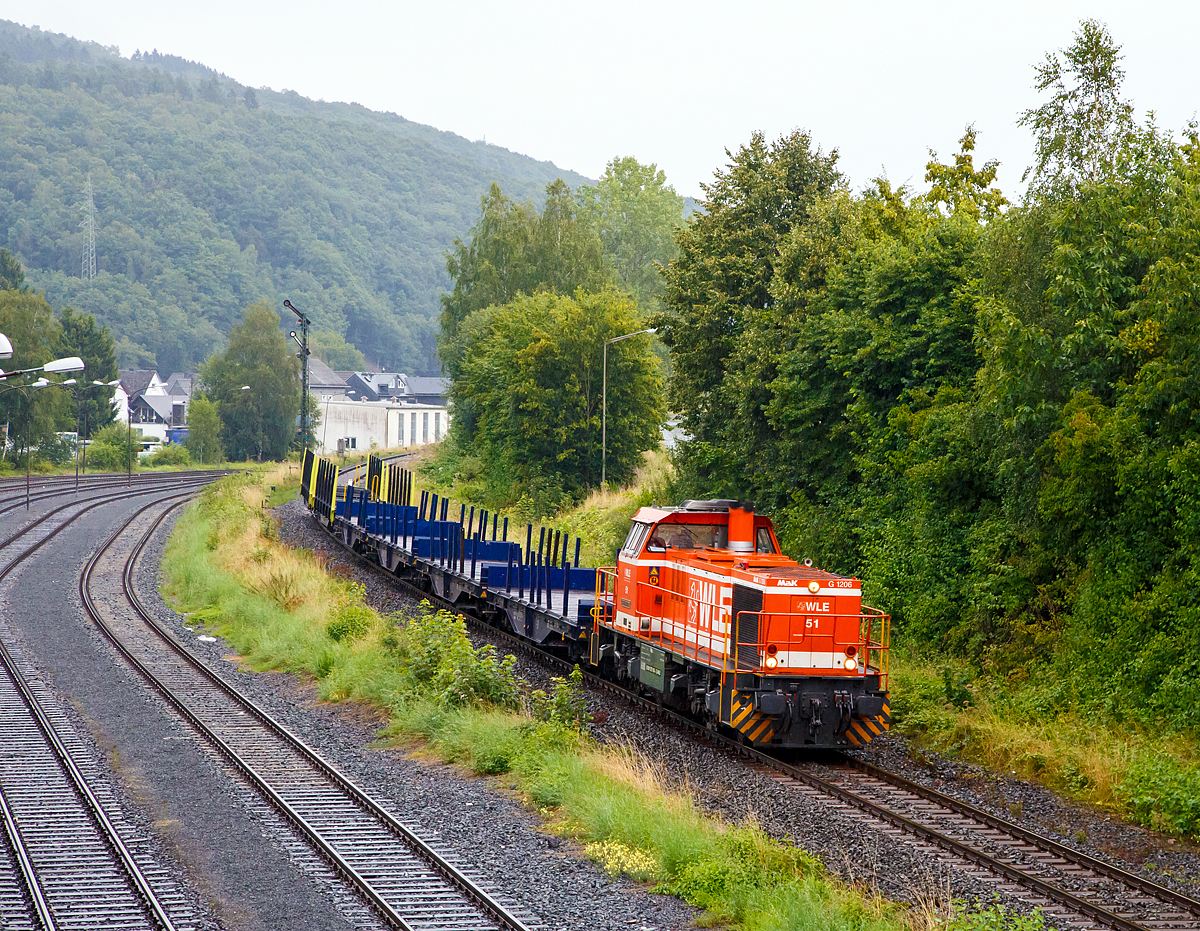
(401, 879)
(1071, 888)
(72, 867)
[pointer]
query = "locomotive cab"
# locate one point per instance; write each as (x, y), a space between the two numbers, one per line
(702, 596)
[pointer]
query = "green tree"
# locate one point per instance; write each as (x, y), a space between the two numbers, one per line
(332, 349)
(12, 275)
(255, 383)
(722, 276)
(635, 213)
(114, 449)
(204, 430)
(532, 372)
(30, 324)
(515, 250)
(1085, 133)
(94, 345)
(962, 187)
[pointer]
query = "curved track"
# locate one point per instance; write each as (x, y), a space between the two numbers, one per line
(405, 882)
(1073, 889)
(73, 868)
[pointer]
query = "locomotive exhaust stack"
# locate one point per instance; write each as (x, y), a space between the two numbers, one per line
(741, 527)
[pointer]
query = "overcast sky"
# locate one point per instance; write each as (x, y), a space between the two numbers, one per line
(675, 83)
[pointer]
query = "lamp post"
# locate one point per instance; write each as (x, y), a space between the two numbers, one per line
(303, 354)
(81, 450)
(40, 383)
(604, 405)
(55, 366)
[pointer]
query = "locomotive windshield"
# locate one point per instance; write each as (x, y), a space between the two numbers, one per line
(688, 537)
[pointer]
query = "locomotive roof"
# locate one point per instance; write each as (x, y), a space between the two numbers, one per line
(805, 573)
(716, 508)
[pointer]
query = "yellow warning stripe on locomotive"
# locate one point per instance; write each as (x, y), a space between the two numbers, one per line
(864, 730)
(754, 724)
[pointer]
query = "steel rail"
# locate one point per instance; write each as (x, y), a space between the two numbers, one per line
(95, 810)
(108, 830)
(1048, 890)
(454, 877)
(1046, 844)
(25, 864)
(88, 505)
(102, 498)
(49, 492)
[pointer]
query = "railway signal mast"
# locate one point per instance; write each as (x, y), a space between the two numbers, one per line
(302, 342)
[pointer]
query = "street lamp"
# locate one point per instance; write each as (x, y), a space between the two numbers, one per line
(40, 383)
(57, 366)
(604, 405)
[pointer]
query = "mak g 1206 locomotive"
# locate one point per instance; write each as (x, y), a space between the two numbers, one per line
(701, 609)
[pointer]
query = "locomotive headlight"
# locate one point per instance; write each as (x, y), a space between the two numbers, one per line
(772, 662)
(814, 586)
(851, 663)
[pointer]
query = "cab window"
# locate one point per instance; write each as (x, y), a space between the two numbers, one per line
(688, 537)
(633, 542)
(762, 543)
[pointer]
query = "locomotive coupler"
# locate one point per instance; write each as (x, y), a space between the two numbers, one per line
(814, 723)
(845, 708)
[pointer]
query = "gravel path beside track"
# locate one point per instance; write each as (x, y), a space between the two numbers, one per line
(478, 822)
(179, 803)
(893, 866)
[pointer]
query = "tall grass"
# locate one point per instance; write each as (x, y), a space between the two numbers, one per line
(282, 610)
(1021, 731)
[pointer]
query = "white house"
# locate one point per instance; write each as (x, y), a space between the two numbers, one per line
(383, 424)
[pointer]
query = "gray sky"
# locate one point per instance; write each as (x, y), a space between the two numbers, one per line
(675, 83)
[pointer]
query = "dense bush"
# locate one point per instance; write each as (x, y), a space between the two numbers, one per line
(170, 454)
(989, 416)
(437, 658)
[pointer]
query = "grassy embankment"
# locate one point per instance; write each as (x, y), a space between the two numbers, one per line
(281, 610)
(1011, 728)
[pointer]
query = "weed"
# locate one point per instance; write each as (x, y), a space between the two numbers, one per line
(566, 705)
(957, 692)
(1162, 793)
(995, 918)
(282, 588)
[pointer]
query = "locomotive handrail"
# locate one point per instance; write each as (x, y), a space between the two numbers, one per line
(869, 644)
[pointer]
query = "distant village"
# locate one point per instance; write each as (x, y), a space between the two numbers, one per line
(358, 410)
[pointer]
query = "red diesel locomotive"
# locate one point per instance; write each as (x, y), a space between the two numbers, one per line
(702, 611)
(703, 608)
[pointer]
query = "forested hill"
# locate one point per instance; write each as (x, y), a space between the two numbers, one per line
(210, 195)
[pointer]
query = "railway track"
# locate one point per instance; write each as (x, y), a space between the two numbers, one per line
(1072, 889)
(12, 491)
(75, 861)
(403, 880)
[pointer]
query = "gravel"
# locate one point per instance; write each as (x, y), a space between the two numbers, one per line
(1161, 859)
(506, 848)
(721, 784)
(484, 827)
